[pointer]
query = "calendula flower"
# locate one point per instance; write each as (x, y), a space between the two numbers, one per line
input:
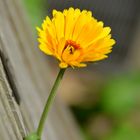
(75, 37)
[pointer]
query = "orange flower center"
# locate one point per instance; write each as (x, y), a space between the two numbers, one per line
(71, 46)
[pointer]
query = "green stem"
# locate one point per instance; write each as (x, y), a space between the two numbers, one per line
(49, 102)
(38, 134)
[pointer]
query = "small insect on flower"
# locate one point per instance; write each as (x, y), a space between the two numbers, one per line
(75, 37)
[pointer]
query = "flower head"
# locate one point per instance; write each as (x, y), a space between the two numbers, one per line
(75, 37)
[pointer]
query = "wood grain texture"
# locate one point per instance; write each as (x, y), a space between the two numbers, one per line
(11, 122)
(28, 79)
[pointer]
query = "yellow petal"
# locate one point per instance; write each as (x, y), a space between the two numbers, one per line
(68, 57)
(63, 65)
(58, 22)
(71, 16)
(45, 49)
(81, 21)
(60, 47)
(77, 64)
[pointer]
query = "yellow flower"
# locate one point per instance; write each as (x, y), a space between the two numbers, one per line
(75, 37)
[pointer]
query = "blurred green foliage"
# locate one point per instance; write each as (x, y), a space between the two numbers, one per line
(119, 99)
(125, 132)
(36, 10)
(121, 94)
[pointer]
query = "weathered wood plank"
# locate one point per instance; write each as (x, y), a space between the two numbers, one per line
(11, 123)
(30, 76)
